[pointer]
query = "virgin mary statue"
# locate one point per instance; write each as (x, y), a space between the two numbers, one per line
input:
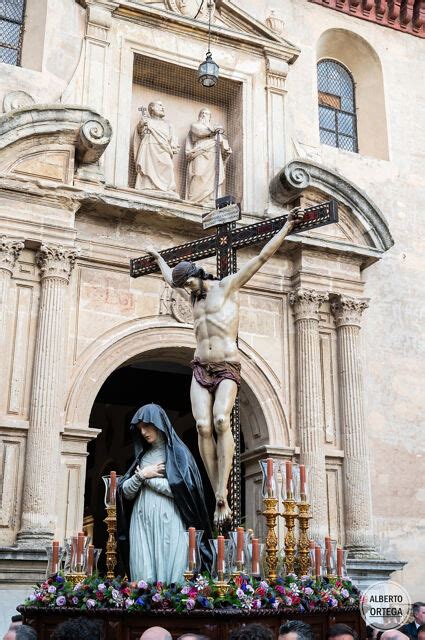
(160, 496)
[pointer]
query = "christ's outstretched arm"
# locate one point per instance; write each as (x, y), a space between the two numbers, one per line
(235, 281)
(166, 272)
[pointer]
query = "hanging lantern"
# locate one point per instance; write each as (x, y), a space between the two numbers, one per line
(208, 70)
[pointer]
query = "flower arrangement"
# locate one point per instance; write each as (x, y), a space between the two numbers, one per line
(246, 593)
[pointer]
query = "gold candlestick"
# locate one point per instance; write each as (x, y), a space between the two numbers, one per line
(221, 584)
(304, 542)
(111, 545)
(270, 513)
(289, 514)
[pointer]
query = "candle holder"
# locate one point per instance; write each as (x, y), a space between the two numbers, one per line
(238, 564)
(225, 571)
(271, 514)
(304, 541)
(221, 584)
(193, 563)
(111, 545)
(329, 558)
(54, 560)
(289, 514)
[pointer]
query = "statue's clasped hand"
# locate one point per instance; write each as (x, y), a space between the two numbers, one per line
(151, 471)
(294, 216)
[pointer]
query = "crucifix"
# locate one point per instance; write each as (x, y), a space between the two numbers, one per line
(224, 244)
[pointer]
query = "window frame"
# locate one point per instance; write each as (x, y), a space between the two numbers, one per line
(336, 111)
(18, 48)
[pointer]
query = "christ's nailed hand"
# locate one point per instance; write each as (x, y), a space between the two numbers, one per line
(295, 215)
(151, 251)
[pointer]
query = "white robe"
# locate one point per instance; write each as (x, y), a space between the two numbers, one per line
(158, 545)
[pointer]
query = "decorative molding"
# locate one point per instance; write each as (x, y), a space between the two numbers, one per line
(174, 305)
(277, 70)
(306, 303)
(402, 15)
(56, 262)
(17, 100)
(275, 23)
(9, 252)
(298, 175)
(347, 310)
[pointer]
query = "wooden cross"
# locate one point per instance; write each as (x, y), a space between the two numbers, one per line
(224, 244)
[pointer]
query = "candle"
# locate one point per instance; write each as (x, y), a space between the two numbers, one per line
(312, 544)
(73, 551)
(255, 560)
(220, 554)
(113, 487)
(80, 547)
(318, 562)
(192, 546)
(239, 544)
(288, 466)
(55, 556)
(339, 559)
(328, 548)
(269, 483)
(302, 481)
(90, 559)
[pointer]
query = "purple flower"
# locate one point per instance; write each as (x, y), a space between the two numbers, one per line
(32, 597)
(101, 587)
(344, 593)
(185, 590)
(74, 600)
(308, 591)
(333, 602)
(115, 594)
(59, 578)
(90, 604)
(264, 584)
(142, 584)
(249, 588)
(256, 604)
(51, 589)
(240, 593)
(129, 602)
(275, 605)
(140, 601)
(60, 601)
(190, 603)
(156, 597)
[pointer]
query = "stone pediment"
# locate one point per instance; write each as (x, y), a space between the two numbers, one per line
(229, 22)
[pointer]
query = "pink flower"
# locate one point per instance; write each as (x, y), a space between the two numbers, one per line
(190, 604)
(256, 604)
(280, 589)
(193, 592)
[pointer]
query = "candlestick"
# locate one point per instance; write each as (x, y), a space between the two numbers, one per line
(288, 476)
(113, 488)
(339, 560)
(270, 512)
(302, 482)
(318, 561)
(111, 546)
(255, 557)
(304, 542)
(289, 514)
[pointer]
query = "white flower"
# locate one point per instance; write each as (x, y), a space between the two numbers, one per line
(51, 589)
(101, 587)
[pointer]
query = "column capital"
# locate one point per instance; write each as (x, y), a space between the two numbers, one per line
(56, 261)
(347, 310)
(306, 303)
(9, 252)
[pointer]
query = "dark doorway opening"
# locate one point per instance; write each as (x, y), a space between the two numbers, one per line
(125, 390)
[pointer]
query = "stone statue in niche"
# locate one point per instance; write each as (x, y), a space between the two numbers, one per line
(154, 146)
(207, 151)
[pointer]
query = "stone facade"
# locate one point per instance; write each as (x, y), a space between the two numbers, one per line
(330, 339)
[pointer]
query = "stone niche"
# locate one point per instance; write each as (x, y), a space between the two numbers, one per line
(183, 97)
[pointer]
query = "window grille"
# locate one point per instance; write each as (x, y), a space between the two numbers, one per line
(11, 30)
(337, 108)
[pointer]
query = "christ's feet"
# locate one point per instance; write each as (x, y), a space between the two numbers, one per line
(222, 512)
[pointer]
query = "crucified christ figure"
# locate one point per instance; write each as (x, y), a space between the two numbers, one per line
(216, 364)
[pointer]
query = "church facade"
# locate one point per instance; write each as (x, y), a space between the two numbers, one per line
(315, 101)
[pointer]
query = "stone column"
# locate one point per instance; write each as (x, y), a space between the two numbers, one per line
(9, 253)
(357, 490)
(43, 443)
(306, 304)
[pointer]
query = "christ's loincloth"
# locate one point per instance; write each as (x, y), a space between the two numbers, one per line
(210, 374)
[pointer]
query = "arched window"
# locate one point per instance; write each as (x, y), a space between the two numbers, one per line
(337, 108)
(11, 30)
